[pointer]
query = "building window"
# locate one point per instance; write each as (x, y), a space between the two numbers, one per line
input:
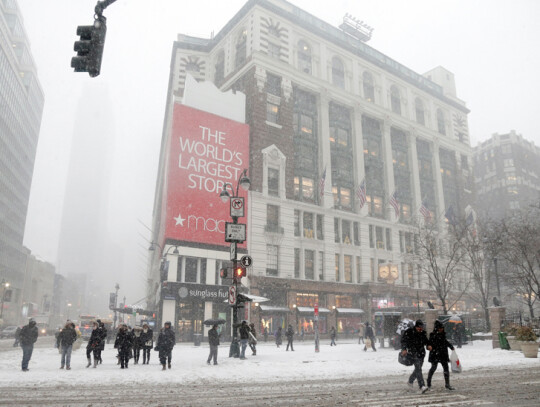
(358, 269)
(441, 123)
(371, 237)
(347, 268)
(346, 232)
(338, 73)
(320, 227)
(272, 253)
(190, 275)
(272, 111)
(356, 233)
(368, 87)
(220, 68)
(296, 263)
(296, 222)
(304, 189)
(336, 261)
(241, 51)
(321, 266)
(309, 264)
(336, 230)
(388, 239)
(272, 218)
(419, 108)
(273, 181)
(304, 57)
(274, 50)
(309, 231)
(379, 237)
(395, 100)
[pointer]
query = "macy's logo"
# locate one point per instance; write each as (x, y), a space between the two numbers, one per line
(201, 223)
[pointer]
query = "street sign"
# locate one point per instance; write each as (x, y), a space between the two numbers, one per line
(233, 251)
(232, 295)
(235, 232)
(246, 261)
(237, 207)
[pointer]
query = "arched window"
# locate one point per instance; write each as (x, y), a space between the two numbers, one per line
(395, 100)
(240, 57)
(419, 108)
(220, 67)
(441, 125)
(338, 73)
(368, 86)
(304, 57)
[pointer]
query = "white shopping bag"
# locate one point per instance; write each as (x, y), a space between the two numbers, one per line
(455, 362)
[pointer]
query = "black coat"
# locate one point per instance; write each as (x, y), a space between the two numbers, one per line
(28, 335)
(213, 337)
(124, 340)
(95, 339)
(147, 339)
(440, 345)
(244, 331)
(67, 337)
(166, 340)
(368, 333)
(289, 334)
(103, 334)
(415, 342)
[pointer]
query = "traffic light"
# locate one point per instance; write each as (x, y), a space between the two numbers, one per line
(223, 273)
(90, 47)
(239, 272)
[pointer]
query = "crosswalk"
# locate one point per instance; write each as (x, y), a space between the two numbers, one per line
(431, 399)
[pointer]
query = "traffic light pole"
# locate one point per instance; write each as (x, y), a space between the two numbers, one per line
(234, 350)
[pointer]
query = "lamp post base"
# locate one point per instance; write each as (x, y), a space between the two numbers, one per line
(234, 350)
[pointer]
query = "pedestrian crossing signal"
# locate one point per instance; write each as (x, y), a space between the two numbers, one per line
(223, 273)
(239, 272)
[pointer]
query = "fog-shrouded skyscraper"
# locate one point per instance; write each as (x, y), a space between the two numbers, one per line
(83, 244)
(21, 108)
(507, 174)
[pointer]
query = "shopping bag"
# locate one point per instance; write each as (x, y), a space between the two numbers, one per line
(368, 343)
(252, 338)
(405, 359)
(455, 362)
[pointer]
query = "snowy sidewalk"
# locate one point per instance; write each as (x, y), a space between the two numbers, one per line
(347, 359)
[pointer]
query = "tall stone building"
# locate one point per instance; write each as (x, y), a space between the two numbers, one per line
(345, 145)
(507, 174)
(21, 107)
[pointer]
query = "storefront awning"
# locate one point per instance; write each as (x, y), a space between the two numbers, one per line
(272, 308)
(350, 311)
(311, 310)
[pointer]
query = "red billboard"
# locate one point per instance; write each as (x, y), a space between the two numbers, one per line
(205, 152)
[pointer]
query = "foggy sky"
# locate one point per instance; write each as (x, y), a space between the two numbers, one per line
(490, 46)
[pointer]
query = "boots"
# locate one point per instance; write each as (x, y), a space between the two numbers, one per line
(95, 363)
(164, 367)
(447, 382)
(89, 362)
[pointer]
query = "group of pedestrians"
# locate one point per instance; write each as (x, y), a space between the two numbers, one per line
(414, 344)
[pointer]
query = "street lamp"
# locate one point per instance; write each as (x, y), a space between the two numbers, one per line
(153, 247)
(5, 286)
(225, 196)
(69, 307)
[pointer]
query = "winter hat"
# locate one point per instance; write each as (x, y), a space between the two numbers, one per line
(419, 323)
(438, 325)
(31, 322)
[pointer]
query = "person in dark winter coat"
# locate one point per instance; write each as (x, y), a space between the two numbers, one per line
(413, 343)
(137, 344)
(103, 334)
(290, 337)
(439, 354)
(147, 340)
(368, 334)
(332, 336)
(27, 337)
(244, 338)
(94, 344)
(66, 338)
(165, 344)
(123, 342)
(278, 336)
(213, 341)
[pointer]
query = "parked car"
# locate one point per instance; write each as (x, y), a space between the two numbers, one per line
(8, 332)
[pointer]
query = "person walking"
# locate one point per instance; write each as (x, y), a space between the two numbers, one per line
(147, 340)
(265, 334)
(137, 344)
(414, 343)
(27, 338)
(213, 341)
(103, 333)
(66, 338)
(290, 337)
(278, 336)
(165, 344)
(369, 334)
(361, 329)
(302, 333)
(252, 339)
(333, 336)
(244, 338)
(439, 354)
(94, 344)
(123, 343)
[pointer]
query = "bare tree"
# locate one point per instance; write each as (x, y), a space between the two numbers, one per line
(439, 256)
